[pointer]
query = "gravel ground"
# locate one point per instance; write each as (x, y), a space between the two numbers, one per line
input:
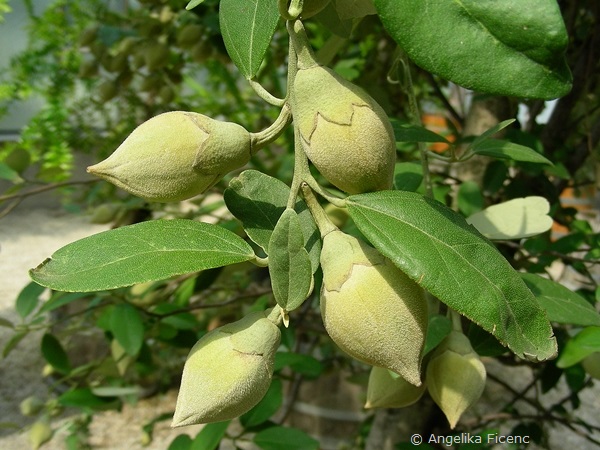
(27, 237)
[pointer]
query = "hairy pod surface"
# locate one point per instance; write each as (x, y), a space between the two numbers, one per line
(386, 391)
(175, 156)
(228, 371)
(344, 132)
(370, 308)
(455, 376)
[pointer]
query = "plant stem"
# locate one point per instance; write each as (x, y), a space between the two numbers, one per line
(268, 135)
(323, 223)
(415, 117)
(266, 95)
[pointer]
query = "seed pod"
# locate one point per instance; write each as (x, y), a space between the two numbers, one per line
(31, 405)
(344, 132)
(189, 35)
(39, 433)
(386, 391)
(455, 376)
(228, 371)
(175, 156)
(370, 308)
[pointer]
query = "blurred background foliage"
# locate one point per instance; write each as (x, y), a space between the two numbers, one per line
(102, 68)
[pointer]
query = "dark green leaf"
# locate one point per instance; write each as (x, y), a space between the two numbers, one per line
(247, 28)
(84, 398)
(127, 327)
(438, 328)
(210, 436)
(438, 249)
(59, 299)
(404, 132)
(6, 173)
(258, 201)
(146, 251)
(561, 304)
(278, 438)
(268, 406)
(508, 47)
(408, 176)
(498, 148)
(181, 442)
(579, 347)
(12, 343)
(303, 364)
(54, 353)
(469, 199)
(289, 263)
(28, 299)
(6, 323)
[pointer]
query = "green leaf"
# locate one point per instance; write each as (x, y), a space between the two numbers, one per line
(277, 438)
(54, 353)
(127, 326)
(193, 3)
(268, 406)
(408, 176)
(436, 247)
(139, 253)
(498, 148)
(561, 304)
(469, 199)
(28, 299)
(579, 347)
(247, 28)
(181, 442)
(6, 173)
(58, 300)
(303, 364)
(404, 132)
(507, 47)
(491, 131)
(13, 342)
(84, 398)
(515, 219)
(210, 436)
(116, 391)
(6, 323)
(438, 328)
(289, 263)
(258, 201)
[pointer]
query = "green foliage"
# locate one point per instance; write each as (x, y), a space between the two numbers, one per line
(151, 290)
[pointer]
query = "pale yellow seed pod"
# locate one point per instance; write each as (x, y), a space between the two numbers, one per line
(370, 308)
(455, 376)
(344, 131)
(228, 371)
(386, 391)
(175, 156)
(39, 433)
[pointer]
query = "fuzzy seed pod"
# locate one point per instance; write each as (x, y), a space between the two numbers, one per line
(39, 433)
(370, 308)
(228, 371)
(455, 376)
(344, 131)
(386, 391)
(175, 156)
